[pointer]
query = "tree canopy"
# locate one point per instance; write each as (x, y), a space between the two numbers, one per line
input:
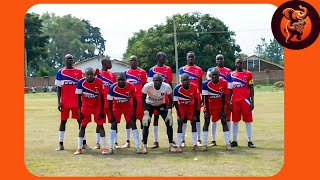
(271, 51)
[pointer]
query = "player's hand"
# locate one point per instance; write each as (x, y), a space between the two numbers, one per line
(194, 118)
(112, 119)
(101, 115)
(207, 115)
(202, 102)
(81, 116)
(222, 115)
(169, 117)
(97, 72)
(251, 106)
(230, 106)
(60, 107)
(179, 119)
(146, 118)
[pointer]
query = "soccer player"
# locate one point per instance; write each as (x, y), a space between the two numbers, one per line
(185, 98)
(122, 100)
(153, 97)
(66, 80)
(214, 92)
(224, 71)
(195, 73)
(166, 73)
(90, 102)
(137, 77)
(108, 79)
(241, 100)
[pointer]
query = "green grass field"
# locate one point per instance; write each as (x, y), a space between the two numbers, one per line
(41, 139)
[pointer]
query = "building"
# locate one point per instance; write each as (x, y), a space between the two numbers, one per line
(95, 63)
(255, 63)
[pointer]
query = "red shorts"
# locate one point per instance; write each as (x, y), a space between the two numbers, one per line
(65, 113)
(215, 114)
(87, 116)
(139, 111)
(186, 114)
(106, 113)
(241, 108)
(228, 112)
(126, 112)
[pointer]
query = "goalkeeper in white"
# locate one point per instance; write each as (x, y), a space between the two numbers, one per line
(153, 97)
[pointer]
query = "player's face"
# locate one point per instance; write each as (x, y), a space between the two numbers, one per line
(133, 62)
(69, 61)
(190, 59)
(157, 82)
(215, 77)
(185, 82)
(219, 61)
(238, 64)
(89, 76)
(162, 60)
(121, 82)
(106, 65)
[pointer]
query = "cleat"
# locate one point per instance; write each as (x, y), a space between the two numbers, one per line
(204, 148)
(228, 147)
(86, 147)
(139, 151)
(144, 150)
(199, 143)
(183, 144)
(126, 145)
(97, 146)
(179, 150)
(104, 151)
(60, 148)
(235, 144)
(213, 143)
(116, 146)
(172, 149)
(155, 145)
(251, 145)
(174, 144)
(79, 151)
(195, 148)
(109, 152)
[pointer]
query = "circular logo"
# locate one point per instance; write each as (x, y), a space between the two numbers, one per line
(295, 25)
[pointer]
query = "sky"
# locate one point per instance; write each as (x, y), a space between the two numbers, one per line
(118, 22)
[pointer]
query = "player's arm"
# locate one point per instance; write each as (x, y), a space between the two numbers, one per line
(144, 97)
(170, 101)
(251, 96)
(59, 98)
(101, 106)
(223, 97)
(230, 87)
(134, 106)
(110, 103)
(175, 101)
(79, 106)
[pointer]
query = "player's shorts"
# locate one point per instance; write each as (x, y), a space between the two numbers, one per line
(106, 113)
(139, 111)
(242, 108)
(162, 110)
(215, 114)
(65, 113)
(87, 116)
(126, 112)
(186, 114)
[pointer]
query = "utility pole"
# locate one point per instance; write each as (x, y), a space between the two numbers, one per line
(175, 49)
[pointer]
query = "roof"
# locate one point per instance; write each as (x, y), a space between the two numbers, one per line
(254, 56)
(101, 57)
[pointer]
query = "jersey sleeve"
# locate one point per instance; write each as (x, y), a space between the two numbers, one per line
(225, 88)
(205, 88)
(169, 75)
(229, 81)
(79, 87)
(145, 88)
(150, 75)
(133, 91)
(144, 77)
(57, 81)
(208, 73)
(250, 79)
(101, 89)
(114, 78)
(200, 73)
(110, 93)
(176, 94)
(169, 89)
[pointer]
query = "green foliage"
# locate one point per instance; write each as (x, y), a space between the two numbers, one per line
(42, 72)
(271, 51)
(203, 34)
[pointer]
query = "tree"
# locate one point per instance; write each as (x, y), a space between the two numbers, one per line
(271, 51)
(203, 34)
(42, 72)
(35, 41)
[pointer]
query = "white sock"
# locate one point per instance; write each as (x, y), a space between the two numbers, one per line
(61, 136)
(249, 130)
(145, 145)
(227, 137)
(235, 128)
(104, 142)
(229, 127)
(84, 137)
(141, 133)
(194, 138)
(198, 130)
(184, 129)
(111, 138)
(135, 134)
(97, 137)
(155, 133)
(115, 138)
(179, 139)
(213, 130)
(205, 137)
(128, 134)
(80, 142)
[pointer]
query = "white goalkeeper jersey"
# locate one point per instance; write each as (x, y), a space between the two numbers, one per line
(156, 97)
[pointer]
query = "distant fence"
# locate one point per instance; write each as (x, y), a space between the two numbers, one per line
(263, 77)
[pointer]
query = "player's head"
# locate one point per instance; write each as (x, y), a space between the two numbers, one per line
(157, 81)
(68, 59)
(133, 62)
(89, 74)
(220, 60)
(106, 64)
(214, 74)
(161, 58)
(238, 64)
(185, 81)
(121, 80)
(191, 58)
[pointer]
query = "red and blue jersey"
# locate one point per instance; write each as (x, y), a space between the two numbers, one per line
(138, 78)
(68, 79)
(239, 82)
(223, 73)
(185, 97)
(108, 78)
(214, 92)
(91, 93)
(165, 71)
(195, 73)
(121, 97)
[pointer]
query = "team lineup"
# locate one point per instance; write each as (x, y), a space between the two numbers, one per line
(225, 95)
